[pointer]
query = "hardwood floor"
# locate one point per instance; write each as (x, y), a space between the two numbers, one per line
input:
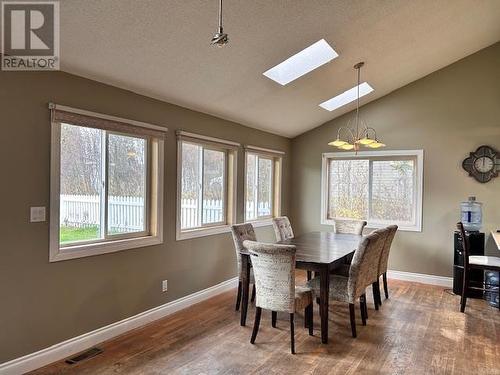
(419, 330)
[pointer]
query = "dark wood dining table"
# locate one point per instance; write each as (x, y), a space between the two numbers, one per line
(319, 252)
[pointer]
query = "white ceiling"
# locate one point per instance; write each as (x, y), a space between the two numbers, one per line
(160, 48)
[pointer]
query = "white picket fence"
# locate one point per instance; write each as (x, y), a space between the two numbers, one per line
(126, 214)
(212, 212)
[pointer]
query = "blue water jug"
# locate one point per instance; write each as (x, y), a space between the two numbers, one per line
(472, 214)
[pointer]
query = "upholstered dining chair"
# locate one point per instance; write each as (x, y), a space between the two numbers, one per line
(387, 236)
(274, 270)
(242, 232)
(384, 259)
(348, 226)
(362, 273)
(481, 262)
(282, 228)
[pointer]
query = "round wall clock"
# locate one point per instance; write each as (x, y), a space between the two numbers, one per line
(483, 164)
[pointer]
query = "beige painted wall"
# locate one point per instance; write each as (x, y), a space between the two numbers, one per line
(447, 114)
(44, 303)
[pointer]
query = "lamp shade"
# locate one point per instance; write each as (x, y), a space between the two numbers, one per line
(346, 146)
(366, 141)
(376, 144)
(337, 143)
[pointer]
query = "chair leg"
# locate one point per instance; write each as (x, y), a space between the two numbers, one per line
(375, 298)
(238, 297)
(309, 275)
(465, 286)
(308, 318)
(274, 317)
(379, 298)
(386, 290)
(292, 335)
(253, 294)
(256, 324)
(362, 305)
(353, 319)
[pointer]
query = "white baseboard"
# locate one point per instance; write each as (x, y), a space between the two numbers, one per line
(77, 344)
(421, 278)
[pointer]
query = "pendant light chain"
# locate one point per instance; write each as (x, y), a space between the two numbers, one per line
(357, 108)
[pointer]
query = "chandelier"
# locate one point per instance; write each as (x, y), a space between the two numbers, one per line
(360, 134)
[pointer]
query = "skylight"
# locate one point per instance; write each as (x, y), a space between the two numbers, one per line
(346, 97)
(302, 63)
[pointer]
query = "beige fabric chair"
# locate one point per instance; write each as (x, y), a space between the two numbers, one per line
(282, 228)
(274, 270)
(384, 259)
(348, 226)
(362, 273)
(240, 233)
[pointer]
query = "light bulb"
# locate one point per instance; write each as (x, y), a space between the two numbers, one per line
(337, 143)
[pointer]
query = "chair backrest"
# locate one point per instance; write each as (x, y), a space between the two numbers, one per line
(274, 272)
(282, 228)
(465, 244)
(348, 226)
(364, 265)
(241, 232)
(384, 259)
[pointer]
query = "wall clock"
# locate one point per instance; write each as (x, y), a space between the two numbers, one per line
(483, 164)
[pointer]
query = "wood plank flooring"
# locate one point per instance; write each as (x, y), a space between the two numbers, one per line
(418, 330)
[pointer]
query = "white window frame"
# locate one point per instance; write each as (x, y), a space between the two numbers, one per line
(154, 197)
(418, 184)
(230, 188)
(276, 157)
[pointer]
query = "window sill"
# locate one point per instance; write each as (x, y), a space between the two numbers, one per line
(202, 232)
(86, 250)
(371, 225)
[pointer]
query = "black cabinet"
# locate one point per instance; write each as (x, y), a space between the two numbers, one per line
(476, 242)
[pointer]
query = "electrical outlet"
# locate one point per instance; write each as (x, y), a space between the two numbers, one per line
(164, 285)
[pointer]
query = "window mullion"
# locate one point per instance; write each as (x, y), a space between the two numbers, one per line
(200, 186)
(256, 187)
(370, 189)
(104, 184)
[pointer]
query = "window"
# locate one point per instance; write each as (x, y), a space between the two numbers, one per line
(262, 184)
(206, 192)
(382, 187)
(105, 184)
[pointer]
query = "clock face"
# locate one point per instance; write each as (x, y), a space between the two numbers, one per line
(484, 164)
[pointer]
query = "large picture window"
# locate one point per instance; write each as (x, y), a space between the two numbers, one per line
(262, 185)
(105, 185)
(383, 187)
(206, 178)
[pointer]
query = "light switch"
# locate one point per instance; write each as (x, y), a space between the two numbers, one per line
(37, 214)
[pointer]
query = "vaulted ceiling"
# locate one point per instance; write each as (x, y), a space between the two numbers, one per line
(160, 48)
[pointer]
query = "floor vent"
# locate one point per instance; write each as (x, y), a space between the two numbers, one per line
(92, 352)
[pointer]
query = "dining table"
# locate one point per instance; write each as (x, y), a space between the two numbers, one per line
(318, 252)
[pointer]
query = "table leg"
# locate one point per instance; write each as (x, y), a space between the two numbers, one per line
(245, 283)
(324, 292)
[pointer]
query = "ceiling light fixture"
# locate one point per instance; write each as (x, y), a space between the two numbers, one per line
(365, 136)
(220, 39)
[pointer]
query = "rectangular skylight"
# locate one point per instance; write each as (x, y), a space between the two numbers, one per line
(346, 97)
(302, 63)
